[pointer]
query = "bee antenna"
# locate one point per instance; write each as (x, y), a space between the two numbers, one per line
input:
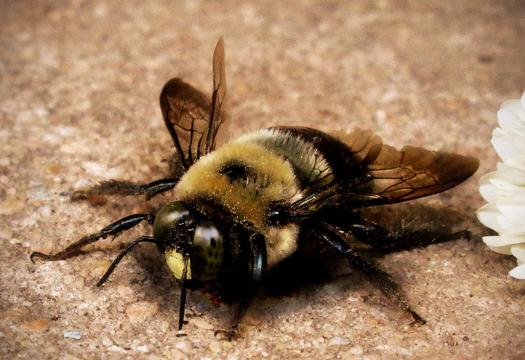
(182, 303)
(121, 255)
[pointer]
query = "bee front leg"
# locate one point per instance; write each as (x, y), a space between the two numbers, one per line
(256, 273)
(374, 273)
(232, 330)
(126, 188)
(112, 229)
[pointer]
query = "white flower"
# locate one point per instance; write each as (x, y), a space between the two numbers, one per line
(504, 189)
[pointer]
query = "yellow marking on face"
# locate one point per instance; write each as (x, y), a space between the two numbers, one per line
(175, 262)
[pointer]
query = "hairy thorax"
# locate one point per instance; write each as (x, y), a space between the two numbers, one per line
(245, 178)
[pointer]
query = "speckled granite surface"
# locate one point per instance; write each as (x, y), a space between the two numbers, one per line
(78, 104)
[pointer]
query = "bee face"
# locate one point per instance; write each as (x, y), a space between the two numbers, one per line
(186, 235)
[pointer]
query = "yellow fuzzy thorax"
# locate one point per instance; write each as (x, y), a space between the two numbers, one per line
(248, 201)
(276, 181)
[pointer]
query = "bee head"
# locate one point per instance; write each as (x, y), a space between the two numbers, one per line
(189, 237)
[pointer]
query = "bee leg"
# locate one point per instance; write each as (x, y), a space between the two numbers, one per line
(375, 274)
(387, 242)
(241, 308)
(126, 188)
(112, 229)
(257, 270)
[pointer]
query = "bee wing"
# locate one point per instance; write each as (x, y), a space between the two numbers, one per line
(192, 120)
(411, 173)
(219, 94)
(370, 173)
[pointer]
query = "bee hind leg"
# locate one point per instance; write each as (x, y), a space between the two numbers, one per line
(387, 242)
(112, 229)
(126, 188)
(375, 274)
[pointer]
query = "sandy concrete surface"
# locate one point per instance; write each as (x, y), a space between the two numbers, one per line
(79, 89)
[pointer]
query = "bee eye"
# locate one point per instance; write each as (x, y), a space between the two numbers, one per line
(207, 252)
(172, 213)
(169, 216)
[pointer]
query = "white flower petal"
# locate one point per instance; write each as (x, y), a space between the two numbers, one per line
(519, 252)
(511, 173)
(509, 225)
(511, 116)
(488, 191)
(517, 162)
(502, 183)
(498, 191)
(504, 240)
(495, 243)
(504, 250)
(518, 272)
(504, 189)
(515, 213)
(502, 147)
(507, 145)
(488, 216)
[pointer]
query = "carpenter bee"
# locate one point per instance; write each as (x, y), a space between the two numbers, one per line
(238, 211)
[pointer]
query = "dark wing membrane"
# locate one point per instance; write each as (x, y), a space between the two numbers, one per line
(344, 154)
(191, 119)
(185, 112)
(364, 145)
(412, 172)
(375, 174)
(218, 96)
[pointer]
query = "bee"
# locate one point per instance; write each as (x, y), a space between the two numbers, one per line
(239, 211)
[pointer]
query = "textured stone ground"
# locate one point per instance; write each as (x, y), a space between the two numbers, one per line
(78, 104)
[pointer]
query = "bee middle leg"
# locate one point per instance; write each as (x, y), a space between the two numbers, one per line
(126, 188)
(375, 274)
